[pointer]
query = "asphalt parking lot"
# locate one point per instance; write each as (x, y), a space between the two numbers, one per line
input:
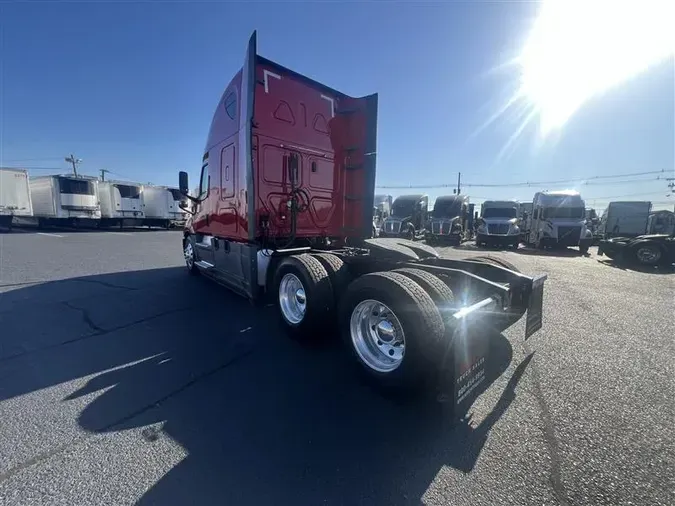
(125, 381)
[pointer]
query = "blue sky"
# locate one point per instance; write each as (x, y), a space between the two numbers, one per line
(131, 87)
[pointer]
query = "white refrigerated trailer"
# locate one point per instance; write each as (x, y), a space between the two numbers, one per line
(162, 206)
(121, 203)
(14, 196)
(65, 200)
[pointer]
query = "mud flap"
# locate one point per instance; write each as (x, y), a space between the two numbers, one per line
(535, 308)
(463, 375)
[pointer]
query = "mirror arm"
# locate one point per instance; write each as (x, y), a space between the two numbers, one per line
(193, 199)
(189, 211)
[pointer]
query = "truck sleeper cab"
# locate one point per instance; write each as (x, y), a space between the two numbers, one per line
(408, 217)
(498, 224)
(284, 210)
(558, 220)
(446, 223)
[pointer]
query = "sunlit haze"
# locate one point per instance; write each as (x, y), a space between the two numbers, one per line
(578, 49)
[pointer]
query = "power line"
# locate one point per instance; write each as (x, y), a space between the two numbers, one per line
(44, 159)
(583, 181)
(37, 168)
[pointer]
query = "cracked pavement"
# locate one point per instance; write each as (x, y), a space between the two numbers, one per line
(125, 381)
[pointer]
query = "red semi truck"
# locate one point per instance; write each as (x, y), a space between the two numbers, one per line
(284, 210)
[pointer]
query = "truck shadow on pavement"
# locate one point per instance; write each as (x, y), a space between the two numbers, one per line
(262, 419)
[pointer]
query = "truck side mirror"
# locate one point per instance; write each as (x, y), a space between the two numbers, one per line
(183, 182)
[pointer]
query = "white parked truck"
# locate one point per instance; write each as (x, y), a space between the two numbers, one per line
(498, 223)
(558, 220)
(14, 196)
(65, 200)
(625, 219)
(381, 210)
(162, 206)
(121, 203)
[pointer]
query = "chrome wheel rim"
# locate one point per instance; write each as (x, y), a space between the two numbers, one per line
(648, 255)
(292, 299)
(377, 336)
(189, 254)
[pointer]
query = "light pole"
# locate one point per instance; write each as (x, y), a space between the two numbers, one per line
(74, 161)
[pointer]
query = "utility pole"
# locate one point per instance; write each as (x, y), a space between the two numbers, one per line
(103, 171)
(459, 183)
(74, 161)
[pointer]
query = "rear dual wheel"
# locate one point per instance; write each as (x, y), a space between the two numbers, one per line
(392, 327)
(390, 321)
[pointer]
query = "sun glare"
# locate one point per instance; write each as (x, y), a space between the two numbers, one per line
(578, 49)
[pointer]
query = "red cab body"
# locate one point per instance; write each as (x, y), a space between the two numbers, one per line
(267, 116)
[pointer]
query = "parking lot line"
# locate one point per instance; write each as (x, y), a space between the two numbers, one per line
(49, 235)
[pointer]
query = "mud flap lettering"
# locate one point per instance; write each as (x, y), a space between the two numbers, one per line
(469, 380)
(535, 308)
(470, 352)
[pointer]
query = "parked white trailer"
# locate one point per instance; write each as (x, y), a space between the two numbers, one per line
(162, 207)
(121, 203)
(65, 200)
(14, 196)
(558, 220)
(625, 219)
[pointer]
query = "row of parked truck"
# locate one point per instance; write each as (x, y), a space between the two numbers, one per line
(70, 200)
(553, 219)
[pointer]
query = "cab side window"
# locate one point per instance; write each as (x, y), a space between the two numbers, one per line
(204, 179)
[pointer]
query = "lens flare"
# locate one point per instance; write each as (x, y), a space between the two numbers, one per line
(578, 49)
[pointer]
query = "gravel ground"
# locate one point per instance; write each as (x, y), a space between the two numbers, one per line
(125, 381)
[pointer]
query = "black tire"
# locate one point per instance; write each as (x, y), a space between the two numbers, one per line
(439, 292)
(656, 257)
(499, 262)
(419, 318)
(410, 233)
(191, 267)
(337, 272)
(583, 249)
(318, 295)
